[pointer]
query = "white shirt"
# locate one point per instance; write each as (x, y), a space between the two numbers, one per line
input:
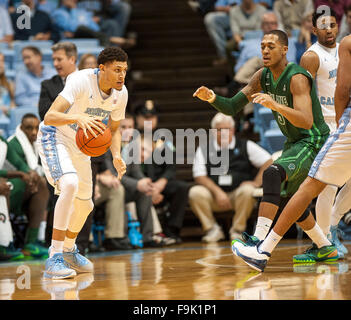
(257, 156)
(83, 93)
(326, 77)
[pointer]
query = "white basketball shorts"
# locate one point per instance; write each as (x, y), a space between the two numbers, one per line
(60, 155)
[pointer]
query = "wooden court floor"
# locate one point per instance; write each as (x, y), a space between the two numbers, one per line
(191, 271)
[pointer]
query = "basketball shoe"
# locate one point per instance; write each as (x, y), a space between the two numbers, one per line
(251, 255)
(78, 262)
(315, 254)
(56, 268)
(333, 237)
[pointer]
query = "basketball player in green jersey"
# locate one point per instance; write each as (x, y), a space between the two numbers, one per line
(288, 90)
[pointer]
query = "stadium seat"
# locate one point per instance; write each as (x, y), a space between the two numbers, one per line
(266, 116)
(9, 57)
(84, 43)
(4, 124)
(16, 115)
(274, 140)
(41, 45)
(95, 51)
(253, 34)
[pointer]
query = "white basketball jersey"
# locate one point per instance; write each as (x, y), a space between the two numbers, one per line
(326, 77)
(83, 93)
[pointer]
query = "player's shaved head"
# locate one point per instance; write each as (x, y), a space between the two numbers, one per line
(282, 37)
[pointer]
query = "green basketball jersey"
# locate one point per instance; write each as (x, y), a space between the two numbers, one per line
(280, 92)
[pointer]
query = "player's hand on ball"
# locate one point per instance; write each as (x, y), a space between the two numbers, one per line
(87, 122)
(120, 166)
(265, 100)
(205, 94)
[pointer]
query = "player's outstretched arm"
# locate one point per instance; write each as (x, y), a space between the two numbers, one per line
(56, 116)
(343, 80)
(231, 106)
(115, 148)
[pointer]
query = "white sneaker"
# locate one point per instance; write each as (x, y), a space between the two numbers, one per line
(214, 234)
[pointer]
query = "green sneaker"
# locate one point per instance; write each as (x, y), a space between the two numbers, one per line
(10, 253)
(315, 254)
(35, 250)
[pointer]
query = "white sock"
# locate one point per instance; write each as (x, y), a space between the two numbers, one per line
(270, 242)
(41, 232)
(317, 236)
(56, 247)
(262, 227)
(69, 244)
(324, 206)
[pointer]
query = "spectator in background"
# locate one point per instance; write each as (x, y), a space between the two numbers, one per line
(339, 6)
(174, 192)
(64, 56)
(291, 13)
(7, 90)
(345, 25)
(6, 30)
(79, 23)
(28, 82)
(218, 27)
(48, 6)
(305, 38)
(41, 26)
(245, 17)
(35, 201)
(87, 60)
(231, 190)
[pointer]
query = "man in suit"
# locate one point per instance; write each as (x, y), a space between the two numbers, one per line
(64, 56)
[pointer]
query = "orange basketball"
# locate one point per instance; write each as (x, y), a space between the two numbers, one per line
(92, 146)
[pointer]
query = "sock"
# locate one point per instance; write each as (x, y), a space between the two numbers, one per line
(56, 247)
(262, 227)
(69, 244)
(270, 242)
(31, 235)
(41, 233)
(317, 236)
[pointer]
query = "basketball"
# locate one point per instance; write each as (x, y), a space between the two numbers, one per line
(92, 146)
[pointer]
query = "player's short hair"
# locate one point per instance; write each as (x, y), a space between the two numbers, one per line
(319, 12)
(35, 50)
(221, 117)
(68, 47)
(29, 115)
(111, 54)
(282, 36)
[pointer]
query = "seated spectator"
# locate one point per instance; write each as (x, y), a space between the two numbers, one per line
(41, 26)
(7, 249)
(48, 6)
(7, 90)
(245, 17)
(6, 30)
(291, 13)
(218, 28)
(119, 12)
(87, 61)
(79, 23)
(233, 188)
(64, 57)
(345, 25)
(306, 37)
(36, 200)
(28, 82)
(172, 192)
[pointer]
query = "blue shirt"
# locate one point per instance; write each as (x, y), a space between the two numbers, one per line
(69, 19)
(224, 3)
(252, 48)
(28, 86)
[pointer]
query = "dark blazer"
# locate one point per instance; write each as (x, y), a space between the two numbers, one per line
(49, 91)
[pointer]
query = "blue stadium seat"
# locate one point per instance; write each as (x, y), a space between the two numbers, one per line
(274, 140)
(4, 124)
(95, 51)
(16, 115)
(9, 57)
(3, 46)
(10, 74)
(84, 43)
(40, 44)
(253, 34)
(266, 116)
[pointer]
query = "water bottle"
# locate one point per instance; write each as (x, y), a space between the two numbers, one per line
(134, 235)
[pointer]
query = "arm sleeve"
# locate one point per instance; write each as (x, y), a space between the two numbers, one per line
(230, 106)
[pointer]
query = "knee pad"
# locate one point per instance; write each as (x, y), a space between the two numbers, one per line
(273, 176)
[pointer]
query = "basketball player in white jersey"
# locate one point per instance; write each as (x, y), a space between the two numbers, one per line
(331, 166)
(89, 97)
(322, 60)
